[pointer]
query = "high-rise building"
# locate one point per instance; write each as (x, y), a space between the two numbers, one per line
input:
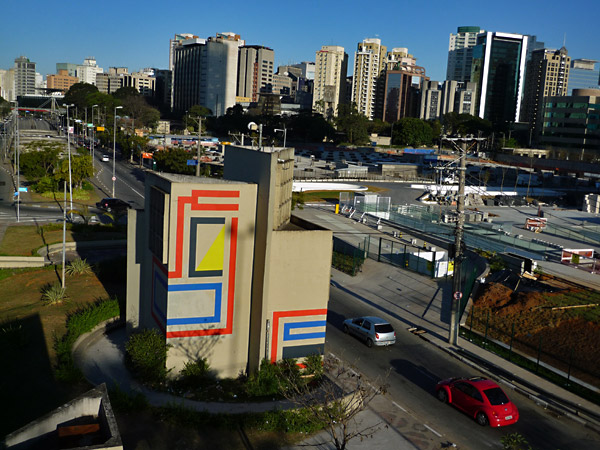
(460, 53)
(571, 124)
(87, 71)
(399, 56)
(458, 97)
(177, 41)
(69, 67)
(308, 69)
(431, 100)
(547, 76)
(7, 84)
(24, 76)
(402, 92)
(498, 68)
(331, 70)
(205, 73)
(584, 74)
(369, 63)
(255, 71)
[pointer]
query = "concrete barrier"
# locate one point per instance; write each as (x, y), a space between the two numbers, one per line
(16, 262)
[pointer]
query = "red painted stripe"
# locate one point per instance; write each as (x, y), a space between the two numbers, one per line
(231, 285)
(278, 314)
(181, 201)
(215, 207)
(227, 194)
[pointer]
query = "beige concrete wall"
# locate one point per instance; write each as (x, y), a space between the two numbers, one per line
(296, 293)
(208, 303)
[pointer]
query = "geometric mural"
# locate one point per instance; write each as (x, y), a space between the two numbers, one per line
(301, 333)
(197, 297)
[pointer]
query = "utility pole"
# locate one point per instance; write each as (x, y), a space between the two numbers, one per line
(458, 242)
(198, 150)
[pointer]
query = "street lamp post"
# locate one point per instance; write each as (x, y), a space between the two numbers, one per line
(17, 168)
(114, 178)
(69, 153)
(93, 135)
(284, 134)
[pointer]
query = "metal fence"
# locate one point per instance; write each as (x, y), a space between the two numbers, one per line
(539, 349)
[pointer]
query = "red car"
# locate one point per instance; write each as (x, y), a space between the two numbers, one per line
(480, 398)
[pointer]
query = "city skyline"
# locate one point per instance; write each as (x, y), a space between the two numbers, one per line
(120, 34)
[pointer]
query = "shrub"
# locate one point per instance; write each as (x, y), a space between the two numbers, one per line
(265, 382)
(79, 322)
(78, 267)
(122, 401)
(194, 374)
(314, 365)
(46, 184)
(53, 294)
(146, 356)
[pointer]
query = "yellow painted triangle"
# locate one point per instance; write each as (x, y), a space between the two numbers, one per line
(213, 259)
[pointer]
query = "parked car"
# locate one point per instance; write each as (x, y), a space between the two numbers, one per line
(105, 158)
(113, 204)
(372, 330)
(480, 398)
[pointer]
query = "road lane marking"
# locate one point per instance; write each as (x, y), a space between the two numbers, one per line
(399, 407)
(432, 430)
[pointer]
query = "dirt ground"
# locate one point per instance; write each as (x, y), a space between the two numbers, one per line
(529, 310)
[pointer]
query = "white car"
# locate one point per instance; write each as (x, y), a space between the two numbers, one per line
(372, 330)
(105, 158)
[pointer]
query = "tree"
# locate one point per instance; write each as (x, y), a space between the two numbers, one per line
(4, 107)
(78, 95)
(173, 161)
(336, 401)
(309, 127)
(352, 123)
(40, 159)
(412, 131)
(126, 91)
(81, 169)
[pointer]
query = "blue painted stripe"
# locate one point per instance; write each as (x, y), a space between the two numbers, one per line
(288, 327)
(215, 318)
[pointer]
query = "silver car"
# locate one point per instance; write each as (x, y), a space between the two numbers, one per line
(372, 330)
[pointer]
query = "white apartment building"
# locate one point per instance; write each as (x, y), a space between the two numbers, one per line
(369, 62)
(460, 53)
(331, 70)
(87, 71)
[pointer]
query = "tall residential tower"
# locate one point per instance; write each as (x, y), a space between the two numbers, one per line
(369, 63)
(331, 69)
(460, 53)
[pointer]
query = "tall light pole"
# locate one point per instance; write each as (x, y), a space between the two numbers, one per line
(114, 178)
(93, 135)
(284, 134)
(199, 121)
(69, 153)
(17, 168)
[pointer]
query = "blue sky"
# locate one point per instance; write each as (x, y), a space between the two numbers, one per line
(136, 34)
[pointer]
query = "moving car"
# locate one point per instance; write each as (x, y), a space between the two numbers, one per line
(113, 204)
(480, 398)
(372, 330)
(105, 158)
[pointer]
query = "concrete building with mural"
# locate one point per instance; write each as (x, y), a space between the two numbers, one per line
(224, 270)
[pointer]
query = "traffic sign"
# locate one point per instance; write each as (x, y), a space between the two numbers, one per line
(22, 189)
(192, 162)
(458, 295)
(114, 178)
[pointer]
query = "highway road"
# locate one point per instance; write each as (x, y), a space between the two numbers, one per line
(412, 367)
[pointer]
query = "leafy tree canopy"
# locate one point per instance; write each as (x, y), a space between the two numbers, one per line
(78, 94)
(174, 161)
(412, 132)
(352, 123)
(464, 124)
(127, 91)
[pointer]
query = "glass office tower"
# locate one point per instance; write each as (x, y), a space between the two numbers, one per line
(498, 68)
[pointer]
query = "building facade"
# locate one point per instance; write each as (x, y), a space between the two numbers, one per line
(219, 269)
(460, 53)
(69, 67)
(547, 76)
(7, 85)
(431, 100)
(255, 71)
(584, 74)
(572, 124)
(87, 71)
(205, 73)
(402, 92)
(331, 70)
(369, 64)
(62, 81)
(458, 97)
(24, 77)
(498, 68)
